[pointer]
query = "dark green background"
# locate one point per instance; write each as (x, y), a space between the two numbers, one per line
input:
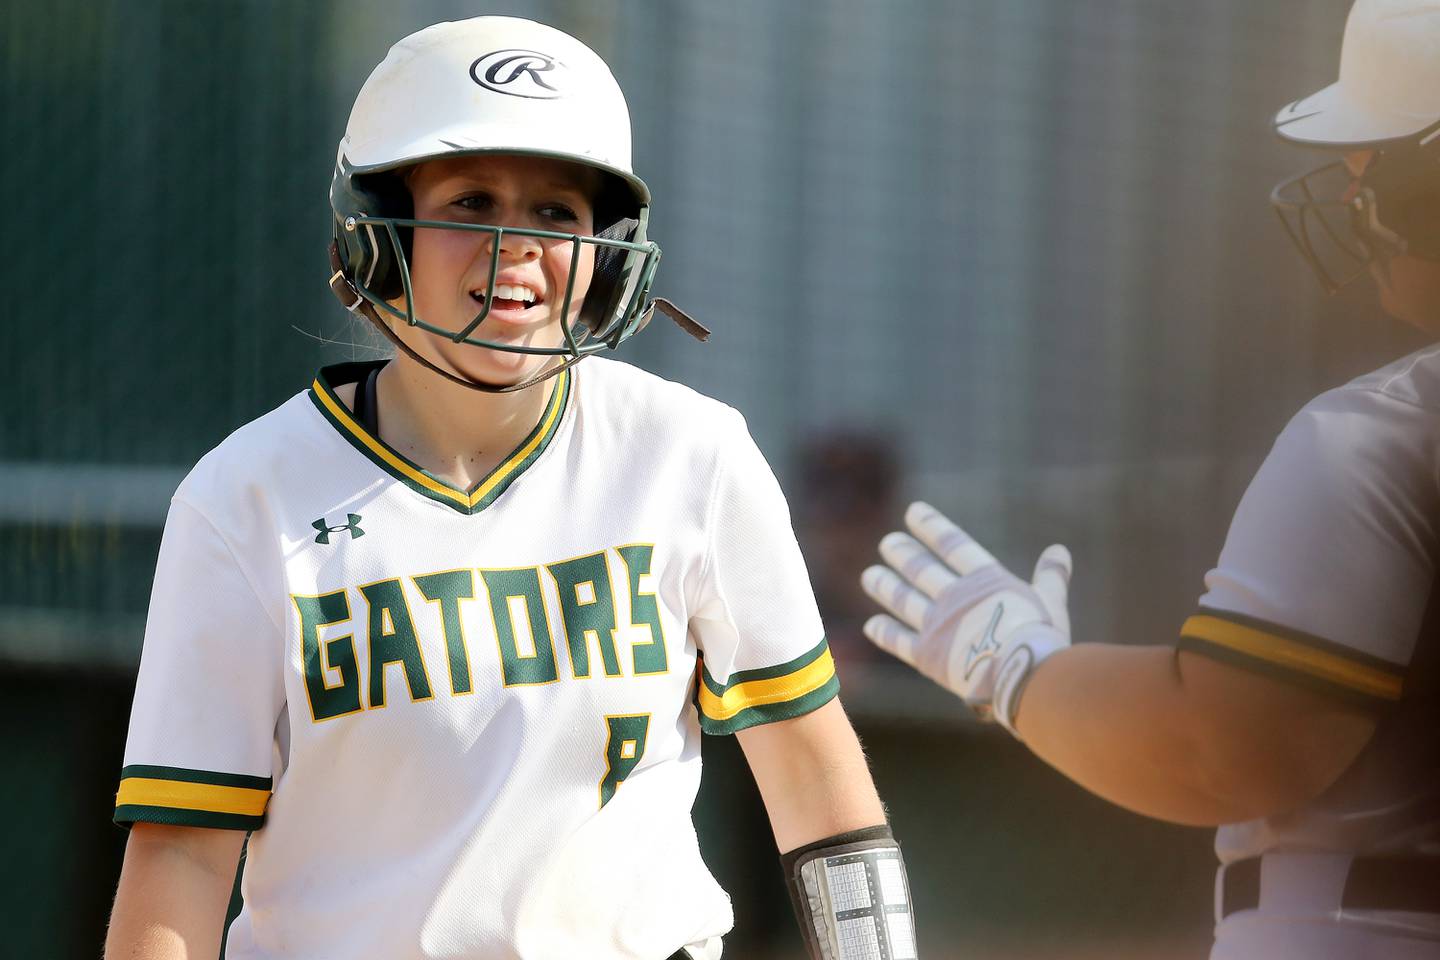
(1024, 242)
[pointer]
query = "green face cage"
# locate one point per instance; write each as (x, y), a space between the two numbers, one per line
(624, 271)
(368, 257)
(1342, 223)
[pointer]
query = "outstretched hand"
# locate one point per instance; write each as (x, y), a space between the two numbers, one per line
(962, 619)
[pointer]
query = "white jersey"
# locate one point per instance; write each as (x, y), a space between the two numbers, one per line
(1325, 579)
(467, 723)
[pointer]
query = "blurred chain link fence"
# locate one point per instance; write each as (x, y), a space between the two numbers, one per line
(1026, 242)
(1020, 246)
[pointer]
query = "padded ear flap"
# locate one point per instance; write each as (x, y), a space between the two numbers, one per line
(368, 256)
(607, 281)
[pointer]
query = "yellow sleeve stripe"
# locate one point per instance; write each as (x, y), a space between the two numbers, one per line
(1294, 655)
(179, 795)
(756, 693)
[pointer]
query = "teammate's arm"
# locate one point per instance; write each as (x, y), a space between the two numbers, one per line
(812, 776)
(174, 889)
(1184, 737)
(1161, 731)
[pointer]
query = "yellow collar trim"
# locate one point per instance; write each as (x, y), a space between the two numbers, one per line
(419, 477)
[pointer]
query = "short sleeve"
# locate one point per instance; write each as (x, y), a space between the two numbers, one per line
(209, 692)
(1327, 568)
(763, 652)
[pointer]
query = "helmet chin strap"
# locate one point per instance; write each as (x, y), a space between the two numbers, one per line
(350, 298)
(346, 293)
(379, 324)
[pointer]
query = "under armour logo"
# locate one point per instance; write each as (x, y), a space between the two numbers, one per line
(518, 73)
(324, 530)
(988, 645)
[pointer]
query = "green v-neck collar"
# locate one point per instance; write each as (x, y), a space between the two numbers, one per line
(387, 458)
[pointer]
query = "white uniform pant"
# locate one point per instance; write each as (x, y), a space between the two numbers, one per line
(1300, 918)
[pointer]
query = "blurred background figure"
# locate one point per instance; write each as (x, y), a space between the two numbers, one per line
(988, 222)
(1298, 710)
(844, 498)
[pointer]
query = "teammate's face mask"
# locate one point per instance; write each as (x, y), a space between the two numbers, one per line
(1343, 224)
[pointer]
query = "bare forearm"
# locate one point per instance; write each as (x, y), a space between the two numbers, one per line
(170, 905)
(813, 777)
(1114, 720)
(1183, 737)
(827, 800)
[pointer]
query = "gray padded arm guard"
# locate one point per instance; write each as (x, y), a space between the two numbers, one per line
(852, 897)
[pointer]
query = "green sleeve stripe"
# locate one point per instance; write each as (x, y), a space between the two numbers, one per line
(1323, 665)
(771, 712)
(1270, 669)
(763, 673)
(185, 775)
(135, 813)
(1354, 656)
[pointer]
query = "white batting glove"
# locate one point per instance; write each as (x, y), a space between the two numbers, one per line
(961, 618)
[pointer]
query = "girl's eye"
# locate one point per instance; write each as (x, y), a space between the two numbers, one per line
(558, 212)
(478, 201)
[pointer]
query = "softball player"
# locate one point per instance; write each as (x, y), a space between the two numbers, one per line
(441, 634)
(1300, 705)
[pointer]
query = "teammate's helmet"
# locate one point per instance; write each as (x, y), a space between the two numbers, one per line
(1386, 99)
(490, 85)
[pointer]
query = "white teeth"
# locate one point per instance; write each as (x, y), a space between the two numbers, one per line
(506, 291)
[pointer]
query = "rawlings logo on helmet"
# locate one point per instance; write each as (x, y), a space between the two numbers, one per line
(519, 73)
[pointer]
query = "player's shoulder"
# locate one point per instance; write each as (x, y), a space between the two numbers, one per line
(1390, 411)
(626, 397)
(255, 457)
(1331, 549)
(1408, 386)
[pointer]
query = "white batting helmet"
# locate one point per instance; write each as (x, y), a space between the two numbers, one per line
(1386, 99)
(489, 85)
(1389, 85)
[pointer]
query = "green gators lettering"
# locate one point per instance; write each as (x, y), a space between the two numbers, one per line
(393, 640)
(587, 607)
(644, 611)
(448, 589)
(522, 629)
(327, 701)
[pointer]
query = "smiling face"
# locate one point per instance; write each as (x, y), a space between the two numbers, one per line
(450, 269)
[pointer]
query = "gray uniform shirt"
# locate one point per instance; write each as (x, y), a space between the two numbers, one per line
(1325, 579)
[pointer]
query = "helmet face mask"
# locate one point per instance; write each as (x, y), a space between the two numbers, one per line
(1342, 225)
(1385, 103)
(483, 87)
(376, 251)
(1321, 223)
(635, 262)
